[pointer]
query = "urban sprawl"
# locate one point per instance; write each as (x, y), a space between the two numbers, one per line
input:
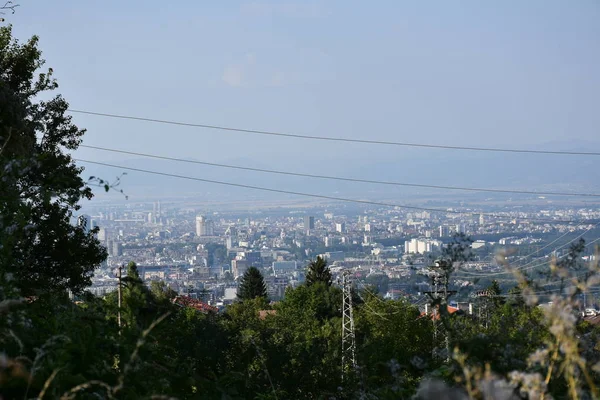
(203, 255)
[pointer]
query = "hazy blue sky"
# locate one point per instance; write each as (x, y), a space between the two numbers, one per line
(510, 73)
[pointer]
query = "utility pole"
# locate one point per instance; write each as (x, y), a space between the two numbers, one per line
(119, 297)
(348, 335)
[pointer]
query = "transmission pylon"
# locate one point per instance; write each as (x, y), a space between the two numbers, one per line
(348, 335)
(439, 303)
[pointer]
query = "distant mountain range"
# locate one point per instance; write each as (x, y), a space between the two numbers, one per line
(434, 167)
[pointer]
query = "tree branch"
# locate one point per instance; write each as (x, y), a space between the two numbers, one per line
(9, 5)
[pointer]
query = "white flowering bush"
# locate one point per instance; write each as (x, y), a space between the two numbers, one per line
(566, 363)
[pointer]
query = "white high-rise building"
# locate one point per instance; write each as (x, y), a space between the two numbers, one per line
(420, 246)
(444, 231)
(204, 227)
(330, 241)
(200, 225)
(230, 242)
(238, 267)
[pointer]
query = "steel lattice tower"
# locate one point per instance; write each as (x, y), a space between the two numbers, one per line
(348, 336)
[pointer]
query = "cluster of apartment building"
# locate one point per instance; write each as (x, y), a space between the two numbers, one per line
(206, 254)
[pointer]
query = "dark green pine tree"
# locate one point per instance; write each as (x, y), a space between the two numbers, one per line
(318, 271)
(252, 285)
(494, 288)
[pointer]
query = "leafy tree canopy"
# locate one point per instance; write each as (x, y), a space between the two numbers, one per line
(39, 181)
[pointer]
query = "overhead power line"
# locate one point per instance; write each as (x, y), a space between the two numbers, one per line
(521, 258)
(528, 265)
(545, 247)
(270, 171)
(333, 139)
(534, 263)
(531, 265)
(319, 196)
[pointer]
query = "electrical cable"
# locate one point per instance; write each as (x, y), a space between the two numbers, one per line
(270, 171)
(316, 195)
(333, 139)
(525, 267)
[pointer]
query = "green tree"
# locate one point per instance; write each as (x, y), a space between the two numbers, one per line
(161, 291)
(504, 338)
(494, 292)
(247, 334)
(76, 339)
(494, 288)
(252, 285)
(303, 346)
(40, 183)
(136, 298)
(395, 346)
(318, 271)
